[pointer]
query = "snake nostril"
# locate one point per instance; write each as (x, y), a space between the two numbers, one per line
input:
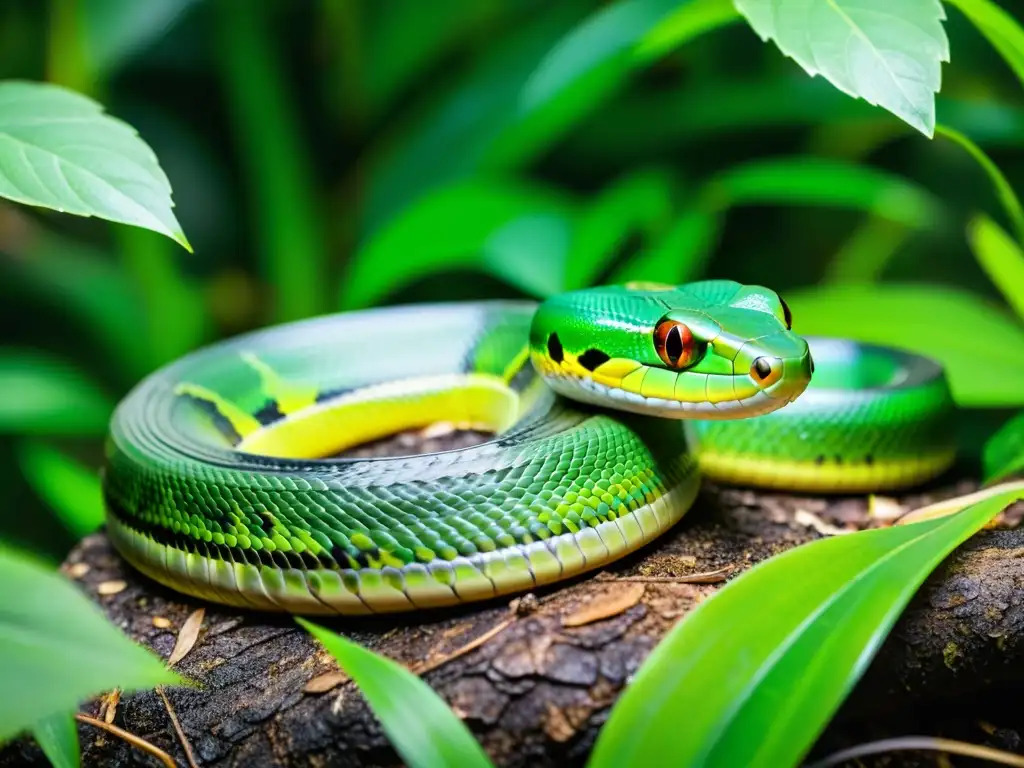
(761, 369)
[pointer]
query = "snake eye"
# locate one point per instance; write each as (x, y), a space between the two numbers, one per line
(786, 314)
(676, 345)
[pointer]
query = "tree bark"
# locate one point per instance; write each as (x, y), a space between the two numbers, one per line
(534, 677)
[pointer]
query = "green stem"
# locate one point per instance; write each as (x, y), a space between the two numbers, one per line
(1004, 191)
(288, 229)
(67, 58)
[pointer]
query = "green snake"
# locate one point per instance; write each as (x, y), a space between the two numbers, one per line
(223, 478)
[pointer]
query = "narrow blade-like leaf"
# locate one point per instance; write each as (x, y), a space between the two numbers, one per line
(815, 181)
(1003, 455)
(512, 231)
(1000, 257)
(979, 344)
(1003, 189)
(57, 736)
(1003, 31)
(888, 54)
(45, 395)
(70, 489)
(59, 150)
(57, 648)
(638, 204)
(679, 255)
(423, 729)
(757, 671)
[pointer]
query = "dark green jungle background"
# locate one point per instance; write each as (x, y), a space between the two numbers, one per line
(298, 133)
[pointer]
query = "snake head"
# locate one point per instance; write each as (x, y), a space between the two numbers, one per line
(713, 349)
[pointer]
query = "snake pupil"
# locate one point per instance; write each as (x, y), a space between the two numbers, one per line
(674, 345)
(762, 367)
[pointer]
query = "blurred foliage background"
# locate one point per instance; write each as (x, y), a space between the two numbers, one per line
(334, 154)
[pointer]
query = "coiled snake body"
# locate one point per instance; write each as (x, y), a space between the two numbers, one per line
(607, 405)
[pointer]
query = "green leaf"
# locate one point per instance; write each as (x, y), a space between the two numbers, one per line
(279, 174)
(1003, 454)
(638, 203)
(816, 181)
(59, 150)
(762, 697)
(1004, 191)
(1000, 28)
(423, 730)
(1000, 257)
(687, 21)
(57, 648)
(57, 736)
(716, 108)
(70, 489)
(888, 54)
(978, 343)
(45, 395)
(866, 253)
(677, 257)
(591, 62)
(471, 114)
(513, 231)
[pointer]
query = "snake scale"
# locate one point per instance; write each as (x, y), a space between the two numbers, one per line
(223, 479)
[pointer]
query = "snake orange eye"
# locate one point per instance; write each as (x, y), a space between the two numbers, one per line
(675, 344)
(786, 314)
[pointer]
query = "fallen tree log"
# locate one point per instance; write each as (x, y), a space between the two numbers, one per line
(534, 677)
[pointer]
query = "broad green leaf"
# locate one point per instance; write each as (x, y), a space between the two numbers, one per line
(1003, 454)
(59, 150)
(70, 489)
(45, 395)
(510, 230)
(888, 54)
(1003, 31)
(640, 203)
(57, 736)
(762, 697)
(421, 727)
(1000, 257)
(679, 256)
(978, 343)
(816, 181)
(1002, 187)
(116, 30)
(57, 648)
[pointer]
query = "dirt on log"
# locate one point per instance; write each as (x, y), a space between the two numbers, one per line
(534, 676)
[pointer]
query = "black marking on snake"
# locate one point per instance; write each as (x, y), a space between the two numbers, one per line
(220, 421)
(820, 460)
(869, 459)
(555, 348)
(330, 394)
(592, 358)
(269, 413)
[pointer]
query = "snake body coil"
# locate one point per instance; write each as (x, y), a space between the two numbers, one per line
(222, 478)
